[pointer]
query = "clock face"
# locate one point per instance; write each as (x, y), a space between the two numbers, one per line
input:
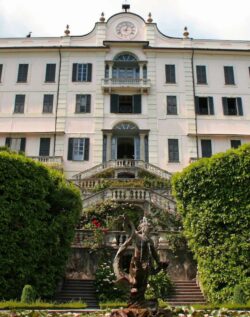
(126, 30)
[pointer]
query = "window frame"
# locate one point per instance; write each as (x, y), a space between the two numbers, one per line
(48, 103)
(201, 75)
(204, 151)
(9, 141)
(50, 74)
(73, 144)
(235, 146)
(19, 104)
(172, 106)
(238, 106)
(44, 149)
(173, 151)
(229, 75)
(209, 103)
(22, 75)
(1, 72)
(136, 104)
(170, 73)
(80, 74)
(83, 108)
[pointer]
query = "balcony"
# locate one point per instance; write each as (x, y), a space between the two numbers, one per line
(132, 84)
(51, 161)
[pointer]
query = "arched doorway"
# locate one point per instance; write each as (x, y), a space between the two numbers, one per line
(125, 141)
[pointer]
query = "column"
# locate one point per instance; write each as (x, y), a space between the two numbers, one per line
(109, 138)
(142, 146)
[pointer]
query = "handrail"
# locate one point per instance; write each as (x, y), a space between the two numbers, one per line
(126, 163)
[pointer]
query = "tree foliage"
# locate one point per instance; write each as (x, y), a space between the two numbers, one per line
(213, 196)
(38, 213)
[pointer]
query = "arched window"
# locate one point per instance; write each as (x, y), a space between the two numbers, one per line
(125, 57)
(125, 66)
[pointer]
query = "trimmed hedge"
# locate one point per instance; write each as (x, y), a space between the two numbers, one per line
(38, 214)
(213, 196)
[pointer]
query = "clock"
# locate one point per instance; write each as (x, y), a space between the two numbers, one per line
(126, 30)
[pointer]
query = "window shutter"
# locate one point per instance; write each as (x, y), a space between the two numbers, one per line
(137, 104)
(88, 103)
(211, 105)
(239, 106)
(78, 102)
(8, 142)
(74, 72)
(114, 103)
(89, 78)
(22, 145)
(196, 101)
(86, 149)
(225, 107)
(70, 148)
(44, 147)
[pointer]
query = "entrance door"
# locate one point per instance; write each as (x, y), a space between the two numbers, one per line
(125, 148)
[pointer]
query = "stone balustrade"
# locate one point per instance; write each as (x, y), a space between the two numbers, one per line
(123, 163)
(85, 239)
(126, 82)
(48, 159)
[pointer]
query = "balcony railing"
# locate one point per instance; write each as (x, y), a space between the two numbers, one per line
(85, 239)
(135, 83)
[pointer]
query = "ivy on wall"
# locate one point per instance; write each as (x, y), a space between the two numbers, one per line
(213, 197)
(38, 214)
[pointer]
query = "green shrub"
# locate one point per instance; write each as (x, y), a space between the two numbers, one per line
(28, 294)
(213, 198)
(239, 296)
(38, 214)
(159, 286)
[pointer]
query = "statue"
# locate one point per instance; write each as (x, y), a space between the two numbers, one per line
(141, 265)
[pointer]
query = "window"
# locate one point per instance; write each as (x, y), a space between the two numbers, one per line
(235, 144)
(78, 149)
(81, 72)
(170, 74)
(19, 104)
(125, 104)
(1, 71)
(50, 73)
(201, 74)
(173, 150)
(48, 103)
(204, 105)
(232, 106)
(206, 148)
(16, 144)
(229, 75)
(44, 147)
(171, 105)
(83, 103)
(22, 73)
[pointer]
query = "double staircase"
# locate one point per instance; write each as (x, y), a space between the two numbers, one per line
(78, 290)
(186, 293)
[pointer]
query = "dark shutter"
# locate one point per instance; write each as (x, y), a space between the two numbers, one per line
(74, 72)
(196, 101)
(86, 150)
(225, 106)
(239, 105)
(88, 103)
(206, 148)
(137, 104)
(211, 105)
(22, 145)
(201, 74)
(173, 150)
(8, 142)
(1, 70)
(229, 75)
(170, 74)
(22, 73)
(89, 78)
(44, 147)
(70, 148)
(50, 73)
(114, 103)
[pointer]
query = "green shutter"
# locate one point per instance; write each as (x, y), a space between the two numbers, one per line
(88, 103)
(137, 104)
(225, 107)
(196, 101)
(74, 72)
(114, 103)
(86, 149)
(70, 149)
(89, 78)
(239, 106)
(8, 142)
(22, 145)
(211, 105)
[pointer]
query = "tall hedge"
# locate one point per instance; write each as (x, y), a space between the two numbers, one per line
(38, 213)
(213, 196)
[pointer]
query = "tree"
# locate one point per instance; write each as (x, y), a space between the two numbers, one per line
(213, 199)
(38, 214)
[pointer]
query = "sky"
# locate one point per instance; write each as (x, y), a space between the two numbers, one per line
(205, 19)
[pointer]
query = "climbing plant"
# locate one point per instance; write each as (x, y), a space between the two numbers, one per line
(213, 198)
